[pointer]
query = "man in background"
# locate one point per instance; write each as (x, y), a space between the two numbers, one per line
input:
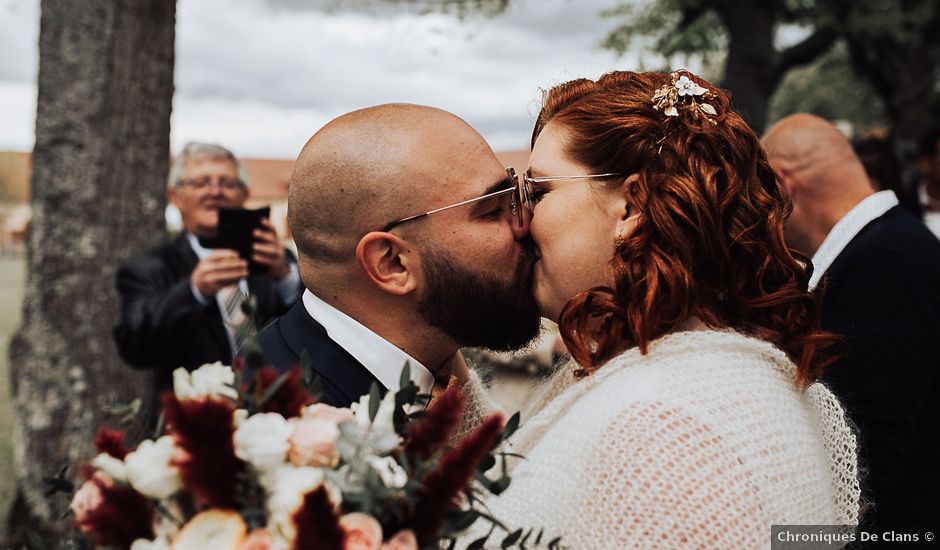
(878, 269)
(923, 200)
(181, 302)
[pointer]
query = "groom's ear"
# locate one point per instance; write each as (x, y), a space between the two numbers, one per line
(389, 261)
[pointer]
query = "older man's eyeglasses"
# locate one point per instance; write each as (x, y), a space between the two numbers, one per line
(202, 184)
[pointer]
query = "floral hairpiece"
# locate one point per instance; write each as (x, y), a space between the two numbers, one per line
(682, 92)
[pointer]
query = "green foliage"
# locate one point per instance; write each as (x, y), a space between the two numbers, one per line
(829, 88)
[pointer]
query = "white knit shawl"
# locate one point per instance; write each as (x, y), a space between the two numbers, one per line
(703, 442)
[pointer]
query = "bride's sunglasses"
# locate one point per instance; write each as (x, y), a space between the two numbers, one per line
(520, 199)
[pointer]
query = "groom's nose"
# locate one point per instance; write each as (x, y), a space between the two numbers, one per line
(521, 231)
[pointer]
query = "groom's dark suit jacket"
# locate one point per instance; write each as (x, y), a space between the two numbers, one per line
(883, 294)
(284, 341)
(163, 327)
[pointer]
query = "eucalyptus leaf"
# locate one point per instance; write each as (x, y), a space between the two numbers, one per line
(272, 389)
(511, 538)
(375, 399)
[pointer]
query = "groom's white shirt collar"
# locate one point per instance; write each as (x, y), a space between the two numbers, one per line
(868, 209)
(382, 358)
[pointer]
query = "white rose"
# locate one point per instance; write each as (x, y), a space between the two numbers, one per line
(392, 475)
(149, 470)
(114, 467)
(383, 418)
(209, 380)
(158, 543)
(262, 441)
(287, 487)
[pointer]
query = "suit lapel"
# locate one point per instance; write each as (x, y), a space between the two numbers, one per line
(328, 359)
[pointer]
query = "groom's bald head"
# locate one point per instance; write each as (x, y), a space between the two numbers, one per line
(369, 167)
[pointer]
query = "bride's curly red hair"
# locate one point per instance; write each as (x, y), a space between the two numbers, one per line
(709, 236)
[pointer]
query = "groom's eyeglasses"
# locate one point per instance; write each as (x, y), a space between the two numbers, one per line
(525, 191)
(514, 189)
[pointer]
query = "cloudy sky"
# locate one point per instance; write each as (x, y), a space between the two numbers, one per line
(262, 75)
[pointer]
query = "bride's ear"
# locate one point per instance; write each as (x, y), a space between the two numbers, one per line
(388, 261)
(627, 191)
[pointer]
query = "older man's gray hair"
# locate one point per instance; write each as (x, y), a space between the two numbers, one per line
(197, 151)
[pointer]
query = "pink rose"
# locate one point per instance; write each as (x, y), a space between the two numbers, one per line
(313, 443)
(320, 411)
(363, 532)
(403, 540)
(88, 497)
(259, 539)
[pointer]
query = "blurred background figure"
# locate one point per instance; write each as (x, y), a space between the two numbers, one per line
(878, 269)
(881, 163)
(923, 199)
(180, 302)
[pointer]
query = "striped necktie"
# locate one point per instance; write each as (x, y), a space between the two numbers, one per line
(238, 322)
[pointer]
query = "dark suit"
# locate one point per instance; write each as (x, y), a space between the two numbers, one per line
(284, 341)
(164, 327)
(883, 294)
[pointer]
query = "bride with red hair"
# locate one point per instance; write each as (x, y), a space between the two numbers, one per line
(690, 415)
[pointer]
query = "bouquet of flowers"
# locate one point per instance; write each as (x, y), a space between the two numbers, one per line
(271, 468)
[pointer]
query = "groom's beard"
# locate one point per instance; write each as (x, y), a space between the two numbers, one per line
(479, 309)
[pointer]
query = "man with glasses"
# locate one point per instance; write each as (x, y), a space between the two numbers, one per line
(181, 302)
(412, 242)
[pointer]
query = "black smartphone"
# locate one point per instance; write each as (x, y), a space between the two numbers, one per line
(236, 232)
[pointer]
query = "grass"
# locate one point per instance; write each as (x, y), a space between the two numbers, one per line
(12, 281)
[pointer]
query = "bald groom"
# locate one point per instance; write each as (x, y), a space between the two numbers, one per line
(409, 246)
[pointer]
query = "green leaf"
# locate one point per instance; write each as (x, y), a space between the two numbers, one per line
(272, 389)
(511, 426)
(511, 538)
(465, 519)
(375, 398)
(478, 544)
(405, 379)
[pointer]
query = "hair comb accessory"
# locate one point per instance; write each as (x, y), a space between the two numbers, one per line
(684, 93)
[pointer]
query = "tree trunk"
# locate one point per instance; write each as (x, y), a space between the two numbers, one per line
(98, 184)
(749, 65)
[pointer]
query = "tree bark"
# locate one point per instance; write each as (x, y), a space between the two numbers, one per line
(754, 68)
(98, 185)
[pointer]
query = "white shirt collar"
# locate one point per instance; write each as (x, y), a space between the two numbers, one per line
(870, 208)
(382, 358)
(201, 251)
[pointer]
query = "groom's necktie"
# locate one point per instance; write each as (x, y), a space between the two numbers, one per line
(238, 321)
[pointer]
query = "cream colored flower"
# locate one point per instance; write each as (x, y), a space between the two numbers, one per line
(114, 467)
(287, 486)
(403, 540)
(262, 441)
(383, 420)
(687, 86)
(149, 468)
(158, 543)
(215, 529)
(363, 532)
(320, 411)
(313, 443)
(210, 380)
(393, 476)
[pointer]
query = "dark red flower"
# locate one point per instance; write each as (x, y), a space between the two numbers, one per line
(442, 485)
(110, 442)
(203, 430)
(427, 435)
(317, 523)
(290, 399)
(110, 514)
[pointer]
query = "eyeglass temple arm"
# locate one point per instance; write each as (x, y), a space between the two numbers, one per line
(541, 179)
(448, 207)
